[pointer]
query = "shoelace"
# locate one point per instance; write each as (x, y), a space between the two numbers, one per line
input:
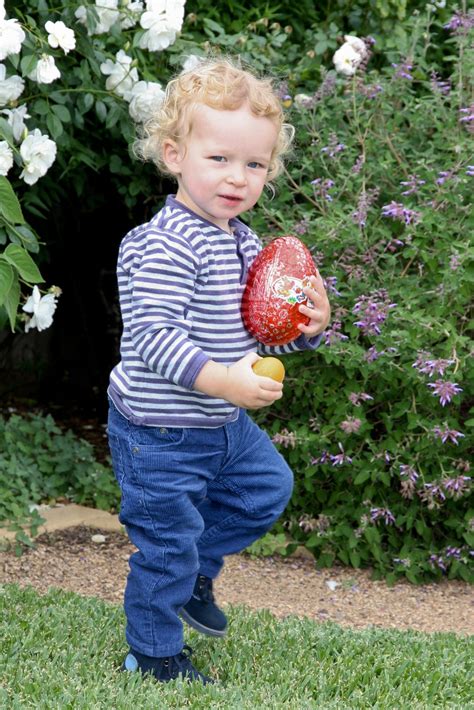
(205, 589)
(179, 663)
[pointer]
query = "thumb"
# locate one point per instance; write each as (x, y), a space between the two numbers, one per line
(251, 358)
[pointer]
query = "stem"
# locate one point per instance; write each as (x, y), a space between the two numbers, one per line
(300, 191)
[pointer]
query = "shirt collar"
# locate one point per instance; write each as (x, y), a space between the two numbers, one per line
(239, 228)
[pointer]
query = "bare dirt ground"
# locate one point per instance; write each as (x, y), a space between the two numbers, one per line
(71, 560)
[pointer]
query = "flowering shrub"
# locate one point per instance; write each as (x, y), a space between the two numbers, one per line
(376, 425)
(60, 66)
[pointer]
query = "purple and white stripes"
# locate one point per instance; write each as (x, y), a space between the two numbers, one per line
(181, 281)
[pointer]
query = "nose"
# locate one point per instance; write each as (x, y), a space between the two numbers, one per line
(236, 175)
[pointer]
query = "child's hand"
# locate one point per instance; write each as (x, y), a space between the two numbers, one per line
(320, 312)
(246, 389)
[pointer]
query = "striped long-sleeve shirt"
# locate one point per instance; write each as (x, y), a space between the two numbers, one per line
(181, 281)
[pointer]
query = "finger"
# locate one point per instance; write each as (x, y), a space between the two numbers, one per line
(252, 358)
(313, 313)
(269, 385)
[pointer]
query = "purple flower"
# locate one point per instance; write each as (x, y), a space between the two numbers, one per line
(445, 175)
(351, 425)
(409, 472)
(432, 492)
(413, 183)
(437, 561)
(322, 187)
(394, 244)
(403, 71)
(373, 354)
(468, 117)
(340, 459)
(454, 262)
(324, 458)
(461, 22)
(382, 513)
(370, 91)
(453, 552)
(425, 364)
(357, 397)
(333, 334)
(283, 91)
(440, 85)
(457, 486)
(301, 227)
(447, 433)
(357, 167)
(333, 147)
(444, 390)
(330, 284)
(285, 438)
(470, 171)
(396, 210)
(366, 199)
(374, 310)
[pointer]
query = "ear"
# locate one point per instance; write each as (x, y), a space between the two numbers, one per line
(172, 156)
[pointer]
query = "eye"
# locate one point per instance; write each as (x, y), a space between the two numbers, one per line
(218, 158)
(255, 165)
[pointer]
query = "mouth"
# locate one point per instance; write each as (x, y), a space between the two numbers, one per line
(234, 199)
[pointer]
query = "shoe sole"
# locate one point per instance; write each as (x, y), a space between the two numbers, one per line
(200, 627)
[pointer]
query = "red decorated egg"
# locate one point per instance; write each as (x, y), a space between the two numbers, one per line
(274, 291)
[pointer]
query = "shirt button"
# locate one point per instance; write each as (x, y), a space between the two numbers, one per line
(163, 430)
(135, 450)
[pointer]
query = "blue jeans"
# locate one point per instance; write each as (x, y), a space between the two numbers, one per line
(190, 496)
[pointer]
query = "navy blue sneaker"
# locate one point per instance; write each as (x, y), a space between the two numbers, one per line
(167, 668)
(201, 612)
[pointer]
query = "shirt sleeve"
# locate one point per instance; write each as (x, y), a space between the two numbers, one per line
(301, 343)
(161, 287)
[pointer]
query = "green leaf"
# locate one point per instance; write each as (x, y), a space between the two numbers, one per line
(55, 127)
(361, 477)
(6, 279)
(22, 261)
(11, 302)
(101, 110)
(41, 107)
(10, 207)
(28, 63)
(62, 113)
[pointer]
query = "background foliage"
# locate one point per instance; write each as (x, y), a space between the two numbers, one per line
(379, 187)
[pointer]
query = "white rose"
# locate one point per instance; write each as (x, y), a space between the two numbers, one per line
(11, 35)
(16, 120)
(357, 44)
(6, 157)
(107, 14)
(46, 71)
(11, 88)
(346, 60)
(162, 21)
(191, 62)
(42, 308)
(147, 97)
(121, 76)
(38, 153)
(60, 36)
(130, 13)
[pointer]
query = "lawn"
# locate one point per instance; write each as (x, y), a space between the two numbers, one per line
(62, 651)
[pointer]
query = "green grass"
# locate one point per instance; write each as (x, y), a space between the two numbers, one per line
(62, 651)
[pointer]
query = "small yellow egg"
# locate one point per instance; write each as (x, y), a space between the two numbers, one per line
(270, 367)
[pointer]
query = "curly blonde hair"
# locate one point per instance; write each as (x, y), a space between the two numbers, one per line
(219, 84)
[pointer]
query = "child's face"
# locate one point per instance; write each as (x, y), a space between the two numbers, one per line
(223, 164)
